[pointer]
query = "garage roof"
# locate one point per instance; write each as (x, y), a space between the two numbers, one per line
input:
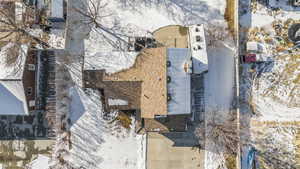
(179, 86)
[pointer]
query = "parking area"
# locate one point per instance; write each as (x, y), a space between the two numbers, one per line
(173, 151)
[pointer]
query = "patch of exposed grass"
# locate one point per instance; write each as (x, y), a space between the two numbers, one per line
(183, 30)
(124, 120)
(230, 161)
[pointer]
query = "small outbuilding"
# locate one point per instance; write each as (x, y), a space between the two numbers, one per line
(197, 44)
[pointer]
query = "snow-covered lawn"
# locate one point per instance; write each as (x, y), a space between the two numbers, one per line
(274, 147)
(98, 144)
(262, 16)
(41, 162)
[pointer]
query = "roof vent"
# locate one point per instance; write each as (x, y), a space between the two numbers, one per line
(169, 98)
(168, 63)
(198, 38)
(169, 79)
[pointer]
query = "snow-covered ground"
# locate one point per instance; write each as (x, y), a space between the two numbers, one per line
(56, 39)
(98, 144)
(16, 68)
(274, 147)
(262, 16)
(41, 162)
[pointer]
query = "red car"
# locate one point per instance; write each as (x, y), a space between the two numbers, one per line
(250, 58)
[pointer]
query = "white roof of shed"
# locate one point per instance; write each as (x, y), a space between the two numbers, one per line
(12, 98)
(180, 86)
(198, 48)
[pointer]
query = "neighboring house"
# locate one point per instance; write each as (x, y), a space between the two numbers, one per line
(23, 82)
(17, 92)
(158, 86)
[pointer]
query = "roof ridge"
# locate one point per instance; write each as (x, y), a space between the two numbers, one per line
(11, 80)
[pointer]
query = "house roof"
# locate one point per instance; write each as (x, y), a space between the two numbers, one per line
(12, 98)
(179, 87)
(149, 69)
(12, 94)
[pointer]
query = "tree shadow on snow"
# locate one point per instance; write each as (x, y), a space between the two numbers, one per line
(194, 11)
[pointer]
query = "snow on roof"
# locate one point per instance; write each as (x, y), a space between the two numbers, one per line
(12, 98)
(198, 47)
(252, 46)
(16, 70)
(19, 10)
(179, 86)
(57, 9)
(41, 162)
(118, 102)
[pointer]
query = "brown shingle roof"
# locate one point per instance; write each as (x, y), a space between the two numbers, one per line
(150, 70)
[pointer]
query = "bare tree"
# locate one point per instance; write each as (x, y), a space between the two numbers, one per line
(94, 14)
(12, 53)
(275, 152)
(224, 132)
(10, 25)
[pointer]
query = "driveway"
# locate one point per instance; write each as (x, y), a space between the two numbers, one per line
(173, 151)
